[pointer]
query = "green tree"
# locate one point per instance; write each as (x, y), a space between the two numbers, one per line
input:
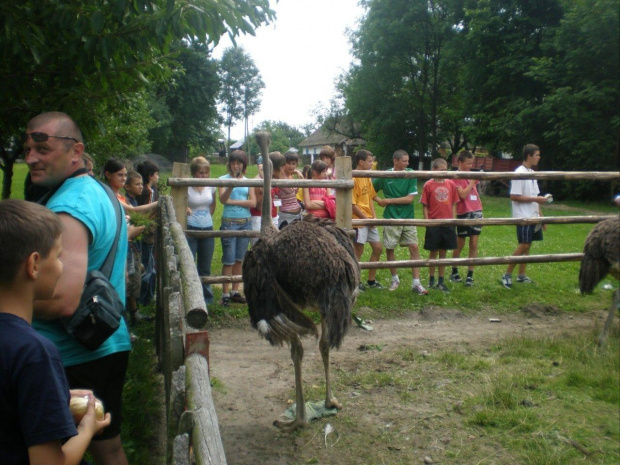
(189, 104)
(504, 38)
(400, 89)
(241, 87)
(283, 136)
(63, 55)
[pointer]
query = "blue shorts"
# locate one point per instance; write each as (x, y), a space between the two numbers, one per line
(234, 248)
(526, 234)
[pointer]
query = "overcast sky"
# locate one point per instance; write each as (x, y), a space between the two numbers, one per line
(299, 57)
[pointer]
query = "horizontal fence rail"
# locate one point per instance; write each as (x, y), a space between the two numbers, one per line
(486, 221)
(486, 261)
(492, 175)
(190, 182)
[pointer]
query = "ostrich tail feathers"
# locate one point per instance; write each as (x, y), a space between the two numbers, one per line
(592, 270)
(336, 313)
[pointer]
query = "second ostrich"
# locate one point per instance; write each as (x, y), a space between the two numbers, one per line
(601, 255)
(309, 264)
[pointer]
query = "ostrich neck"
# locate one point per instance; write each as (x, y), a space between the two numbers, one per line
(266, 227)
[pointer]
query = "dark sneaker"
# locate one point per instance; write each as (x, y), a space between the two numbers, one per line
(432, 285)
(225, 302)
(442, 287)
(374, 285)
(362, 287)
(507, 281)
(524, 279)
(237, 298)
(455, 278)
(419, 289)
(469, 281)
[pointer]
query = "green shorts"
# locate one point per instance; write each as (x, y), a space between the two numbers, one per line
(399, 235)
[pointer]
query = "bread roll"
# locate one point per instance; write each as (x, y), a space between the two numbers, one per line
(79, 405)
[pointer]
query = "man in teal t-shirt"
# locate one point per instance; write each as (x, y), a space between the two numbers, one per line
(53, 148)
(398, 203)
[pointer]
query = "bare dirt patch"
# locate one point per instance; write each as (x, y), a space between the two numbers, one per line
(402, 419)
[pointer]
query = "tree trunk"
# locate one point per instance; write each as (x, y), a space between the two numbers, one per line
(7, 167)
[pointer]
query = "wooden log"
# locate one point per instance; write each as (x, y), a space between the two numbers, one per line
(180, 450)
(203, 234)
(346, 183)
(164, 357)
(221, 279)
(175, 404)
(179, 193)
(344, 196)
(485, 221)
(176, 333)
(493, 175)
(193, 299)
(206, 437)
(568, 257)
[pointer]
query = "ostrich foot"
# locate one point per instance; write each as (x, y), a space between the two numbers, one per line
(333, 403)
(289, 426)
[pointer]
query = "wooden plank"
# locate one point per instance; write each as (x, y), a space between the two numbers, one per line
(203, 234)
(176, 334)
(552, 175)
(180, 450)
(486, 221)
(206, 437)
(193, 299)
(344, 196)
(175, 405)
(179, 193)
(216, 182)
(567, 257)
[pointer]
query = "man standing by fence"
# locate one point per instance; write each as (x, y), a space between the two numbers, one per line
(525, 204)
(53, 149)
(398, 203)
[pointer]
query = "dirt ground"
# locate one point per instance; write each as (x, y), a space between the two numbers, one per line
(256, 382)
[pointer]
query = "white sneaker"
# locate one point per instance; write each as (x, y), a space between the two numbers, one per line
(419, 289)
(394, 285)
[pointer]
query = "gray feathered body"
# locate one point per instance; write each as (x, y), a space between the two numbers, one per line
(601, 254)
(309, 264)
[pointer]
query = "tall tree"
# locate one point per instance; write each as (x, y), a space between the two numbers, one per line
(62, 55)
(190, 104)
(241, 87)
(580, 69)
(399, 89)
(504, 38)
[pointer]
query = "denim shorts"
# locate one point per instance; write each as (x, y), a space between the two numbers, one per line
(234, 248)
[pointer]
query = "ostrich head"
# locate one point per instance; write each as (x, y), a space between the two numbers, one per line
(263, 139)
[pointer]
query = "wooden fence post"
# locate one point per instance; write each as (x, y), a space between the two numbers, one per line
(344, 197)
(179, 194)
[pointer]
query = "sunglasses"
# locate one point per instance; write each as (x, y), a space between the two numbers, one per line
(42, 137)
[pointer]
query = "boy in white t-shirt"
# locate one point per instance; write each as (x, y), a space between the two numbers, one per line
(525, 204)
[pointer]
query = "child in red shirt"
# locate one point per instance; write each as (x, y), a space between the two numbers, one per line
(439, 197)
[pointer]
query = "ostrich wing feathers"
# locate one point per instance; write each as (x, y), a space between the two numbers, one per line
(309, 264)
(601, 254)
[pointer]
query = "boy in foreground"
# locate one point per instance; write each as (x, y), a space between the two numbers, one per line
(439, 197)
(36, 425)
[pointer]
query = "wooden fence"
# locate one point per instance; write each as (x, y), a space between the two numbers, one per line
(183, 349)
(182, 344)
(344, 185)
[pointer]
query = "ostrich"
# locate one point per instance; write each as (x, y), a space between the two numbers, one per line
(601, 256)
(308, 264)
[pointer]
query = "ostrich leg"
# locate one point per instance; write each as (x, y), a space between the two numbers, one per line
(330, 401)
(610, 318)
(300, 421)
